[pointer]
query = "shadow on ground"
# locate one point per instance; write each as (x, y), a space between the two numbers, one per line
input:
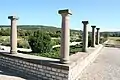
(5, 74)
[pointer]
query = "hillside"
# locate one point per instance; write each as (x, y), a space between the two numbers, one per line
(33, 27)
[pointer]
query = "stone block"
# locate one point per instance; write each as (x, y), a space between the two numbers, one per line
(48, 68)
(64, 71)
(54, 69)
(60, 74)
(48, 75)
(53, 76)
(53, 73)
(59, 78)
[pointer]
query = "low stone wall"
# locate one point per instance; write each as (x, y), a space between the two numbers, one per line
(40, 68)
(35, 69)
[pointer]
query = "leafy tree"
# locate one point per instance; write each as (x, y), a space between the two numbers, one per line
(40, 42)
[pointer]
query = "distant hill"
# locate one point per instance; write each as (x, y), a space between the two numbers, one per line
(33, 27)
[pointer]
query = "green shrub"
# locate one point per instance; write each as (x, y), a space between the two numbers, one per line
(6, 43)
(75, 48)
(56, 41)
(40, 42)
(55, 54)
(23, 44)
(56, 49)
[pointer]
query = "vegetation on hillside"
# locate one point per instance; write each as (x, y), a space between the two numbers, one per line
(41, 39)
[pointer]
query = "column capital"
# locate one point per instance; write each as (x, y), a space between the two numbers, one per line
(85, 22)
(98, 28)
(13, 17)
(65, 11)
(93, 26)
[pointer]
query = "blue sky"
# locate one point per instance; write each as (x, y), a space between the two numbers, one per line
(102, 13)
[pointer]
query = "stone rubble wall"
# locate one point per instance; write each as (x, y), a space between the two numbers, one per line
(32, 70)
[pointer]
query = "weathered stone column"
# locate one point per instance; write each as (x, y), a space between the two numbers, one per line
(13, 36)
(65, 36)
(93, 36)
(85, 36)
(97, 36)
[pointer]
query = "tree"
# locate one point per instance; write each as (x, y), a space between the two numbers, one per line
(40, 42)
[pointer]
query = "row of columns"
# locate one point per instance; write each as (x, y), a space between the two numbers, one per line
(95, 40)
(65, 35)
(64, 54)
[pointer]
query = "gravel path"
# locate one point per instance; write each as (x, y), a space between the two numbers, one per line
(105, 67)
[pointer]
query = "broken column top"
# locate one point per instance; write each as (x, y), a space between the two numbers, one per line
(85, 22)
(13, 17)
(98, 28)
(65, 11)
(93, 26)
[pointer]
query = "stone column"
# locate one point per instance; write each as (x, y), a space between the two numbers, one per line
(85, 36)
(65, 36)
(13, 36)
(97, 36)
(93, 36)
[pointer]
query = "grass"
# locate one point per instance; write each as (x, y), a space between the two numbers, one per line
(4, 37)
(55, 53)
(114, 40)
(22, 43)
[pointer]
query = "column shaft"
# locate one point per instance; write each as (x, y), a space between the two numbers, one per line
(85, 38)
(93, 36)
(97, 36)
(13, 37)
(65, 36)
(65, 39)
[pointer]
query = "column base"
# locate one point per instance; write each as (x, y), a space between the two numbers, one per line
(64, 61)
(13, 52)
(92, 46)
(97, 44)
(84, 50)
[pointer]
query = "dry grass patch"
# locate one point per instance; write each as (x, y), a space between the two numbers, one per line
(114, 40)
